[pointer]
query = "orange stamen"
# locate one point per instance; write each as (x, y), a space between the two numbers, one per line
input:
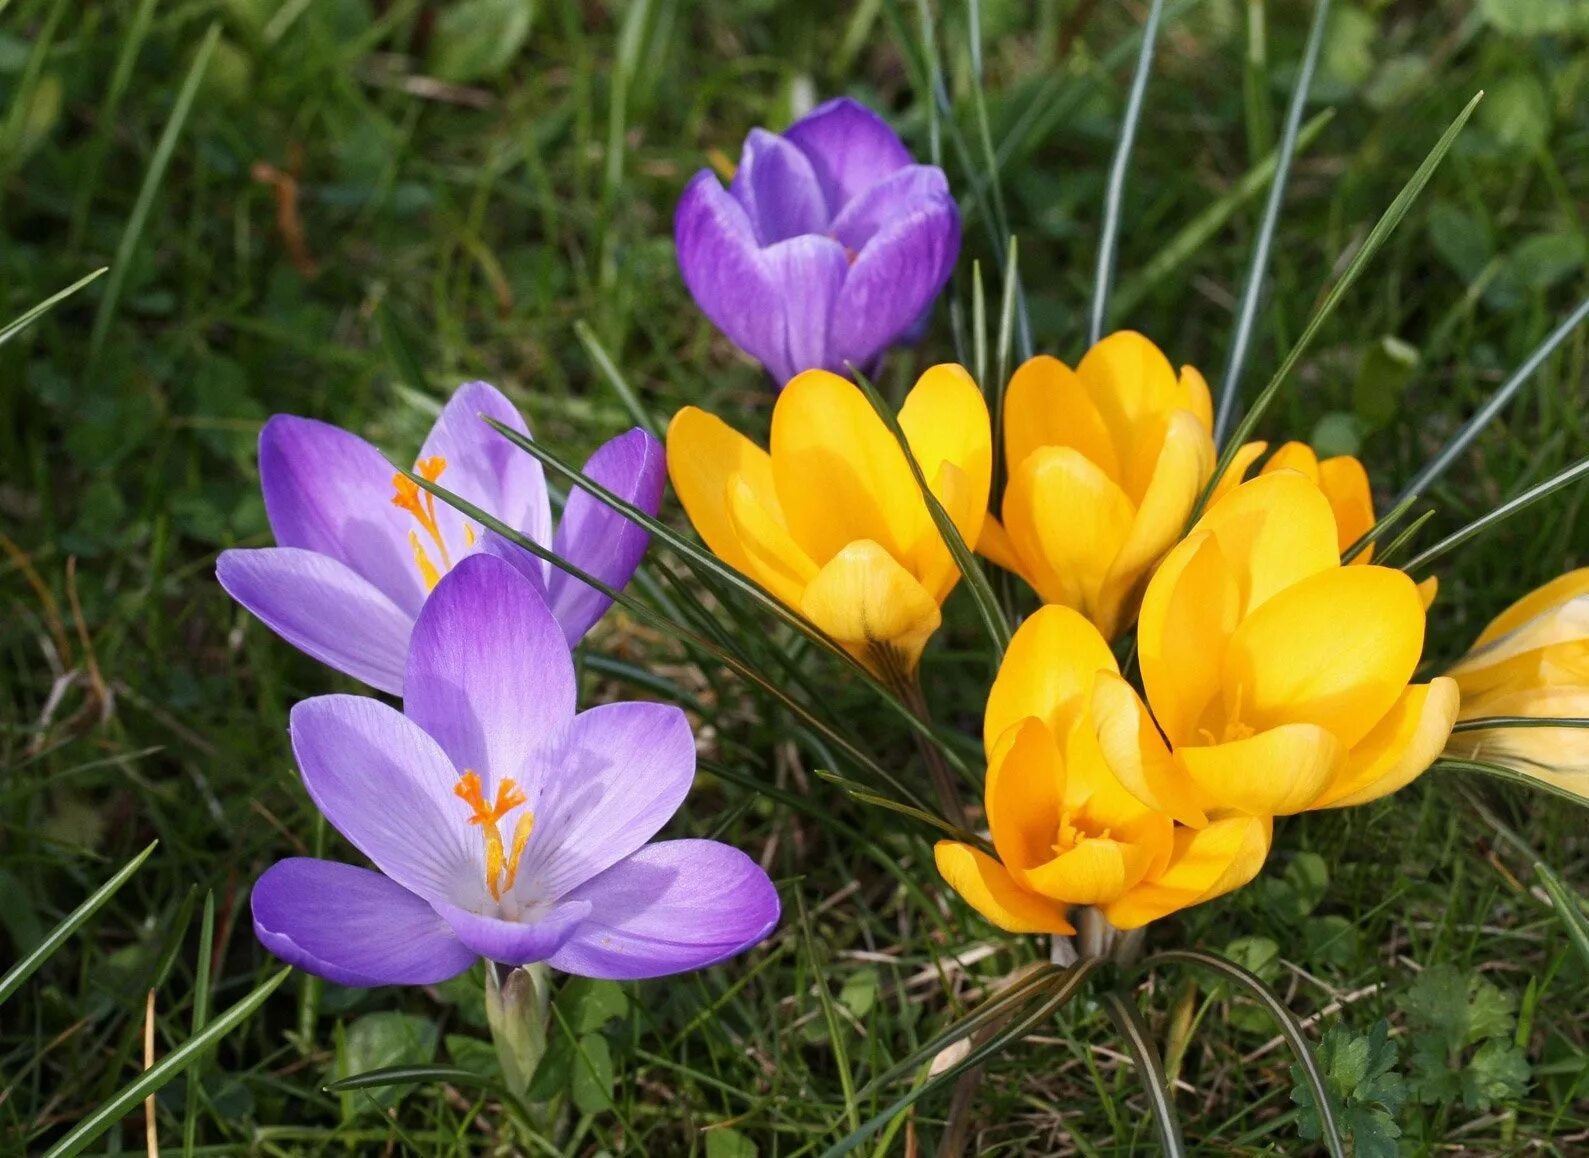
(502, 866)
(422, 505)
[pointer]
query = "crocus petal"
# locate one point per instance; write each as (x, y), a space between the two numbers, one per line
(1246, 454)
(353, 926)
(807, 278)
(840, 474)
(899, 273)
(1566, 622)
(597, 539)
(1048, 672)
(1047, 405)
(1129, 379)
(1542, 599)
(1093, 873)
(1275, 531)
(720, 262)
(1400, 747)
(1207, 863)
(388, 787)
(518, 942)
(772, 557)
(1189, 611)
(1137, 755)
(1196, 397)
(323, 608)
(1345, 483)
(779, 191)
(1336, 650)
(885, 202)
(704, 454)
(850, 147)
(485, 469)
(874, 607)
(330, 491)
(489, 674)
(1554, 756)
(1273, 773)
(618, 777)
(1023, 795)
(946, 425)
(985, 885)
(672, 906)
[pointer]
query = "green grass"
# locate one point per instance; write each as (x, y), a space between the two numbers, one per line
(516, 226)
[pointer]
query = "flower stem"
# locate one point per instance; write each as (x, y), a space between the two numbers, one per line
(907, 686)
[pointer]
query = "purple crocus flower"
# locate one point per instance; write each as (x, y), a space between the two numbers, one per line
(503, 825)
(360, 546)
(828, 246)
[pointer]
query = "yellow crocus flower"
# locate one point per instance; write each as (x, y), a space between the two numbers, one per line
(1106, 462)
(1066, 831)
(831, 520)
(1280, 679)
(1532, 660)
(1342, 478)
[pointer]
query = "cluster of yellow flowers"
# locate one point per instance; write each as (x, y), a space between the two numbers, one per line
(1272, 677)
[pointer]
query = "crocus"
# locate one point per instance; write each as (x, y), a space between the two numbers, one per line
(1341, 477)
(1532, 661)
(832, 521)
(826, 248)
(1280, 678)
(501, 823)
(359, 546)
(1105, 464)
(1066, 831)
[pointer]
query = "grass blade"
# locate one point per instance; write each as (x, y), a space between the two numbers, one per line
(1511, 776)
(133, 233)
(1505, 511)
(841, 1057)
(164, 1070)
(1483, 723)
(46, 948)
(620, 385)
(1115, 194)
(1441, 462)
(1154, 1080)
(1257, 269)
(201, 1017)
(1290, 1028)
(16, 325)
(1567, 906)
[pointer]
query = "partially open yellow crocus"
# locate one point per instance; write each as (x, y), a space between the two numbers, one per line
(1280, 678)
(1065, 830)
(1106, 462)
(831, 521)
(1342, 478)
(1532, 660)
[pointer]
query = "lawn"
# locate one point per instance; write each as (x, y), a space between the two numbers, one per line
(345, 209)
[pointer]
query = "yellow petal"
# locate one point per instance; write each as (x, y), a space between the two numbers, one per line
(704, 453)
(1273, 773)
(1556, 756)
(1563, 664)
(1427, 590)
(1188, 614)
(1397, 751)
(1137, 755)
(932, 562)
(1274, 531)
(1047, 405)
(1556, 624)
(1247, 454)
(1094, 872)
(840, 474)
(873, 606)
(1196, 398)
(1068, 521)
(994, 543)
(1207, 863)
(1047, 673)
(1345, 483)
(985, 885)
(945, 420)
(1337, 650)
(1186, 459)
(1553, 594)
(771, 557)
(1024, 783)
(1297, 456)
(1129, 379)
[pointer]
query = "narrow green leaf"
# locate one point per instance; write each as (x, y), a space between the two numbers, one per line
(1483, 723)
(201, 1017)
(620, 385)
(1510, 775)
(1150, 1069)
(73, 921)
(864, 795)
(841, 1057)
(1567, 906)
(398, 350)
(1500, 514)
(168, 1067)
(16, 325)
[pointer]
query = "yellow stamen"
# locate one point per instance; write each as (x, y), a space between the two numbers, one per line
(502, 866)
(422, 505)
(427, 569)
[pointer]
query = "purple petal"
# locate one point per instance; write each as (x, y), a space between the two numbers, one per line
(850, 147)
(673, 906)
(719, 260)
(516, 942)
(597, 539)
(897, 276)
(489, 674)
(388, 787)
(353, 926)
(622, 773)
(893, 197)
(779, 191)
(485, 468)
(330, 491)
(530, 565)
(323, 608)
(807, 276)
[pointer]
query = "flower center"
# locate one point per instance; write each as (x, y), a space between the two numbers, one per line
(421, 504)
(1076, 830)
(502, 864)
